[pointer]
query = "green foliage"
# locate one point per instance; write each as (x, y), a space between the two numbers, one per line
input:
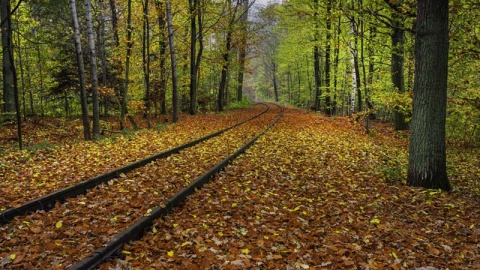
(245, 103)
(43, 145)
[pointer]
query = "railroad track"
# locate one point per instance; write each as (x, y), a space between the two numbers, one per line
(85, 230)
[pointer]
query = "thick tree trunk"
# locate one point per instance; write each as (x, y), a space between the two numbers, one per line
(93, 70)
(8, 87)
(427, 159)
(81, 71)
(398, 74)
(174, 65)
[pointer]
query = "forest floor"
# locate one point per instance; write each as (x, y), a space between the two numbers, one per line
(312, 193)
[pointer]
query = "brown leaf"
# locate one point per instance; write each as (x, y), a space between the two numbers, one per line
(35, 230)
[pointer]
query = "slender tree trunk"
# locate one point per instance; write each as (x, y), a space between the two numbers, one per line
(242, 54)
(174, 65)
(427, 154)
(123, 109)
(328, 103)
(193, 52)
(81, 71)
(200, 40)
(275, 82)
(113, 10)
(162, 51)
(93, 70)
(146, 60)
(223, 80)
(398, 77)
(336, 61)
(316, 58)
(103, 54)
(8, 84)
(22, 75)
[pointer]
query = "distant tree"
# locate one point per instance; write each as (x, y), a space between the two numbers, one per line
(427, 159)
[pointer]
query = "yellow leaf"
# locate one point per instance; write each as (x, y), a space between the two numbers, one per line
(186, 243)
(394, 255)
(59, 224)
(126, 252)
(154, 230)
(234, 204)
(170, 253)
(245, 251)
(375, 221)
(220, 233)
(175, 225)
(81, 203)
(13, 256)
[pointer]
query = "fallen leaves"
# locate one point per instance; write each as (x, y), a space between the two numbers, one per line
(304, 199)
(89, 221)
(313, 193)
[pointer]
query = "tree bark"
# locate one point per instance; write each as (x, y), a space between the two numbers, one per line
(123, 105)
(162, 51)
(81, 71)
(193, 52)
(93, 70)
(223, 79)
(113, 10)
(427, 159)
(7, 70)
(316, 58)
(174, 65)
(398, 74)
(146, 60)
(242, 50)
(328, 103)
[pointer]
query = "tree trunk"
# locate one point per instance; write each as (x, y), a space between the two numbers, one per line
(427, 159)
(81, 71)
(146, 60)
(242, 54)
(103, 54)
(113, 10)
(223, 80)
(162, 51)
(328, 105)
(398, 77)
(123, 105)
(174, 65)
(275, 82)
(8, 87)
(193, 52)
(93, 70)
(316, 59)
